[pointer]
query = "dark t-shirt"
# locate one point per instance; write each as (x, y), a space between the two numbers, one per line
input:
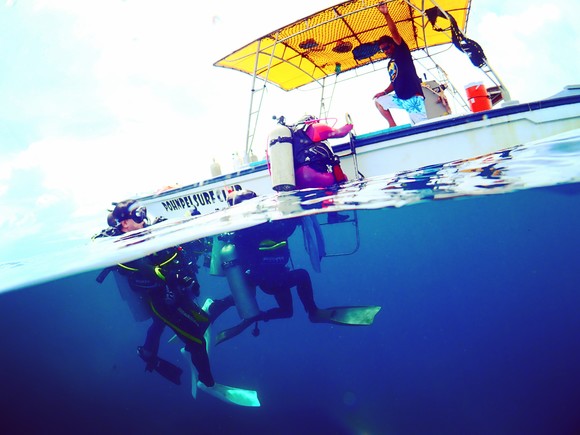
(403, 74)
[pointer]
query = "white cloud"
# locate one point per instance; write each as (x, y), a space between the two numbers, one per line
(139, 105)
(533, 46)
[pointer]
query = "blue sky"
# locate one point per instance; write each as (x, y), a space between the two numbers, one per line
(103, 100)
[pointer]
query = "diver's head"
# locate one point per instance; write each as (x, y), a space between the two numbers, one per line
(386, 45)
(129, 215)
(238, 196)
(307, 120)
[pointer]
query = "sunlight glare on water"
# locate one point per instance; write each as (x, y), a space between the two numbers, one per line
(552, 162)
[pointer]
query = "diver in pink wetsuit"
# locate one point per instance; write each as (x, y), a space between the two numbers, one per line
(314, 162)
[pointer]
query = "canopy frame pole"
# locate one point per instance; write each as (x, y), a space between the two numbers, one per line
(322, 110)
(253, 116)
(441, 77)
(250, 132)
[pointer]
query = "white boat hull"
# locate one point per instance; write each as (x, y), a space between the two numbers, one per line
(395, 150)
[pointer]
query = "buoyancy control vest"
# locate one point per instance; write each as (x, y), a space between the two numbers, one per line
(317, 155)
(293, 149)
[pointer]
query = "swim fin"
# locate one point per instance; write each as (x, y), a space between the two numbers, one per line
(229, 333)
(236, 396)
(346, 315)
(207, 335)
(194, 374)
(169, 371)
(166, 369)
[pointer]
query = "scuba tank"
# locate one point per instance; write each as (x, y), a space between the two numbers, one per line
(281, 160)
(215, 265)
(243, 293)
(136, 301)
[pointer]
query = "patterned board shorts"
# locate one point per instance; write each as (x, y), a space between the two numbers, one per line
(414, 106)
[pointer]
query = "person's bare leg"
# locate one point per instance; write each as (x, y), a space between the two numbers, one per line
(386, 114)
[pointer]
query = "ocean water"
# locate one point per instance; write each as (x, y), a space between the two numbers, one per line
(475, 265)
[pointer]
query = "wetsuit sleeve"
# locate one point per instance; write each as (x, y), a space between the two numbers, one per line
(142, 266)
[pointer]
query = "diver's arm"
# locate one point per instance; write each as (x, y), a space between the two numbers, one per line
(390, 23)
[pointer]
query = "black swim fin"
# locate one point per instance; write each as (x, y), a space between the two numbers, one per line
(169, 371)
(229, 333)
(359, 316)
(166, 369)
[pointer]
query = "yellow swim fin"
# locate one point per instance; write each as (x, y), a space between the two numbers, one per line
(236, 396)
(361, 316)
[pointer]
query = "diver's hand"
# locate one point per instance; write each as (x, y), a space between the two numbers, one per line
(341, 131)
(383, 8)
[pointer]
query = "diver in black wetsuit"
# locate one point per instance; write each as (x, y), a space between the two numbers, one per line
(175, 307)
(264, 255)
(166, 280)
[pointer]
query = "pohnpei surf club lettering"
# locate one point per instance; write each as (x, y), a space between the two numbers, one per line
(197, 200)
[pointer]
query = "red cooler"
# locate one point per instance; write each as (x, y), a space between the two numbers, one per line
(477, 97)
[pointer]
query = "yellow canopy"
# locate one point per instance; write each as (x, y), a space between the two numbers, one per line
(321, 44)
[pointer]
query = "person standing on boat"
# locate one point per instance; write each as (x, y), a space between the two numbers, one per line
(406, 84)
(166, 284)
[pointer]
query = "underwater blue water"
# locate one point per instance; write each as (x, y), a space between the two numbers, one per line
(478, 333)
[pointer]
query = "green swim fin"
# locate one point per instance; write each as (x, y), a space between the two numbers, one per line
(346, 315)
(237, 396)
(194, 374)
(207, 335)
(229, 333)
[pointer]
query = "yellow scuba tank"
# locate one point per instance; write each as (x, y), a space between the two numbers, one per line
(281, 159)
(243, 293)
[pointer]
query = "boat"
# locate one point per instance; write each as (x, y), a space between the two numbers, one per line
(338, 44)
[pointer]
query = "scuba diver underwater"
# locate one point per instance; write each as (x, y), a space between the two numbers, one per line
(259, 257)
(163, 287)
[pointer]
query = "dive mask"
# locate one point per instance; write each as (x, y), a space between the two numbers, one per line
(137, 212)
